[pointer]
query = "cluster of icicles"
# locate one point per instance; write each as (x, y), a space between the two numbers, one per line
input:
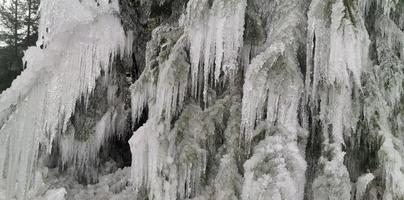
(273, 94)
(69, 57)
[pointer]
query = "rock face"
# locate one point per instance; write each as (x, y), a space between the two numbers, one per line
(224, 99)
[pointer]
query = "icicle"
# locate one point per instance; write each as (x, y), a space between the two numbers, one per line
(273, 83)
(387, 5)
(172, 83)
(145, 150)
(141, 92)
(364, 5)
(255, 89)
(167, 166)
(82, 154)
(393, 34)
(337, 55)
(165, 92)
(216, 37)
(271, 92)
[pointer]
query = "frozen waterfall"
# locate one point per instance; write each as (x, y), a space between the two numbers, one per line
(208, 99)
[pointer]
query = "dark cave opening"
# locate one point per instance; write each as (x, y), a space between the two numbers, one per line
(119, 149)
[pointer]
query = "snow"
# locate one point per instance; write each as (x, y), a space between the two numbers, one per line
(112, 185)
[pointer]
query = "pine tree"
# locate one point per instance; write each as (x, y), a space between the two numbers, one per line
(12, 15)
(18, 30)
(31, 21)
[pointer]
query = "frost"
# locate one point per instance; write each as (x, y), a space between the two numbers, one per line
(334, 182)
(276, 169)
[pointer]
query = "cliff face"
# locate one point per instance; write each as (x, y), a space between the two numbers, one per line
(210, 99)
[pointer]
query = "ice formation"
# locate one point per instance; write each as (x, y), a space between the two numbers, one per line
(229, 99)
(62, 69)
(216, 37)
(271, 94)
(338, 49)
(362, 183)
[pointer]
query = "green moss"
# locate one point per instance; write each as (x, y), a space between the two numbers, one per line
(83, 135)
(152, 24)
